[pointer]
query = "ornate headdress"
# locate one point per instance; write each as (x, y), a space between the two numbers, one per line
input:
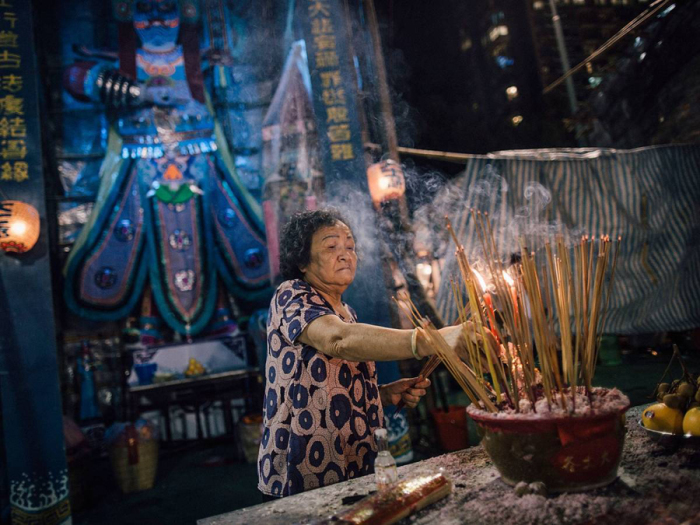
(189, 10)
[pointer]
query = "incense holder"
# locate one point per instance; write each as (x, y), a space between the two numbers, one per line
(568, 453)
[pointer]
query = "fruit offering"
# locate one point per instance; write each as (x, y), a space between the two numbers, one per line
(678, 409)
(691, 422)
(663, 418)
(194, 368)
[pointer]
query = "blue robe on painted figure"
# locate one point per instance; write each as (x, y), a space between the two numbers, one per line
(170, 209)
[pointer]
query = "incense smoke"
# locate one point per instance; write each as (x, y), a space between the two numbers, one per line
(516, 215)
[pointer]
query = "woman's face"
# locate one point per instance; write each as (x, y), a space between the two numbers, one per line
(333, 260)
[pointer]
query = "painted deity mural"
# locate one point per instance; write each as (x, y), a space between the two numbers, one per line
(171, 217)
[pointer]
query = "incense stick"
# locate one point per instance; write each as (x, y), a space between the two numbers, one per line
(567, 305)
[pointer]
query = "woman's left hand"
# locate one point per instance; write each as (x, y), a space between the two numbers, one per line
(409, 390)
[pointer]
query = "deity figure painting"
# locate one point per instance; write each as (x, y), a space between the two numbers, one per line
(171, 217)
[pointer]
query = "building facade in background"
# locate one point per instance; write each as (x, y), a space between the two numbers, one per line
(520, 48)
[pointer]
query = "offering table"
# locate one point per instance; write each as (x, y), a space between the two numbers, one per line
(655, 485)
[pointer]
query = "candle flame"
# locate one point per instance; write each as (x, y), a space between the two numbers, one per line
(481, 280)
(424, 269)
(508, 278)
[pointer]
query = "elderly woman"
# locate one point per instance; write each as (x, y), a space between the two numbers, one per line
(322, 401)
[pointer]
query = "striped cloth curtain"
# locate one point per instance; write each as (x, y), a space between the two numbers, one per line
(648, 196)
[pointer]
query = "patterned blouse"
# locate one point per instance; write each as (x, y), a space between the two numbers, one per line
(319, 412)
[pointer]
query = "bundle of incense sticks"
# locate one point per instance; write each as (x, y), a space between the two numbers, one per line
(549, 309)
(464, 375)
(427, 369)
(396, 502)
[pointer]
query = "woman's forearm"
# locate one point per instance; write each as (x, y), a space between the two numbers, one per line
(363, 342)
(360, 342)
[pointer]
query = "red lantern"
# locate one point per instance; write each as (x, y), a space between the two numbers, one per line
(386, 181)
(19, 226)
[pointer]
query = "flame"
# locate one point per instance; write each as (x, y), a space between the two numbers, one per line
(424, 269)
(482, 282)
(508, 278)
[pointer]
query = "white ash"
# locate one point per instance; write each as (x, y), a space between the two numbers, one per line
(604, 401)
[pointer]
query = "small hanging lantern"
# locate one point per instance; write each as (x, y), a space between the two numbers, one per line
(19, 226)
(386, 181)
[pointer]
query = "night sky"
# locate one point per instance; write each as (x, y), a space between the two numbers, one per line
(432, 76)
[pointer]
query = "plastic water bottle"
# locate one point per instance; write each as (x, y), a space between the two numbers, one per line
(385, 464)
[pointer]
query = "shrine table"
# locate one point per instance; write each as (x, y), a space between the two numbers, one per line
(197, 394)
(655, 485)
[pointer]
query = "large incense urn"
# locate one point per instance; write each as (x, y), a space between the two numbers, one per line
(568, 453)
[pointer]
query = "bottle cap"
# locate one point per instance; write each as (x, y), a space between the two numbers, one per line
(380, 433)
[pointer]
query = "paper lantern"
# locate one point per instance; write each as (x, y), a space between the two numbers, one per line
(386, 181)
(19, 226)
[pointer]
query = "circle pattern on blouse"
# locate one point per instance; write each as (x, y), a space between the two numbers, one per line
(319, 412)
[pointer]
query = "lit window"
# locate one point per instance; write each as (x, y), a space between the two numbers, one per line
(538, 4)
(667, 10)
(594, 82)
(516, 120)
(504, 61)
(511, 92)
(579, 2)
(498, 31)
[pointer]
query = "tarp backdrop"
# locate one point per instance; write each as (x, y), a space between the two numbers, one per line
(648, 196)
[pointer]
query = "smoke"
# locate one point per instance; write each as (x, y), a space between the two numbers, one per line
(533, 221)
(517, 215)
(356, 206)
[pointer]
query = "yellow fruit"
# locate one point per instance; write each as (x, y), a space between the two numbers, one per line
(663, 419)
(194, 368)
(691, 422)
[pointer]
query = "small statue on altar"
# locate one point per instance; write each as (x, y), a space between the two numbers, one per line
(172, 218)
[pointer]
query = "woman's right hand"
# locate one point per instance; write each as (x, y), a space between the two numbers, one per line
(454, 337)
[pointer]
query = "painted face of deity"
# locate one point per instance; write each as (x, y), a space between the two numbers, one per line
(157, 22)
